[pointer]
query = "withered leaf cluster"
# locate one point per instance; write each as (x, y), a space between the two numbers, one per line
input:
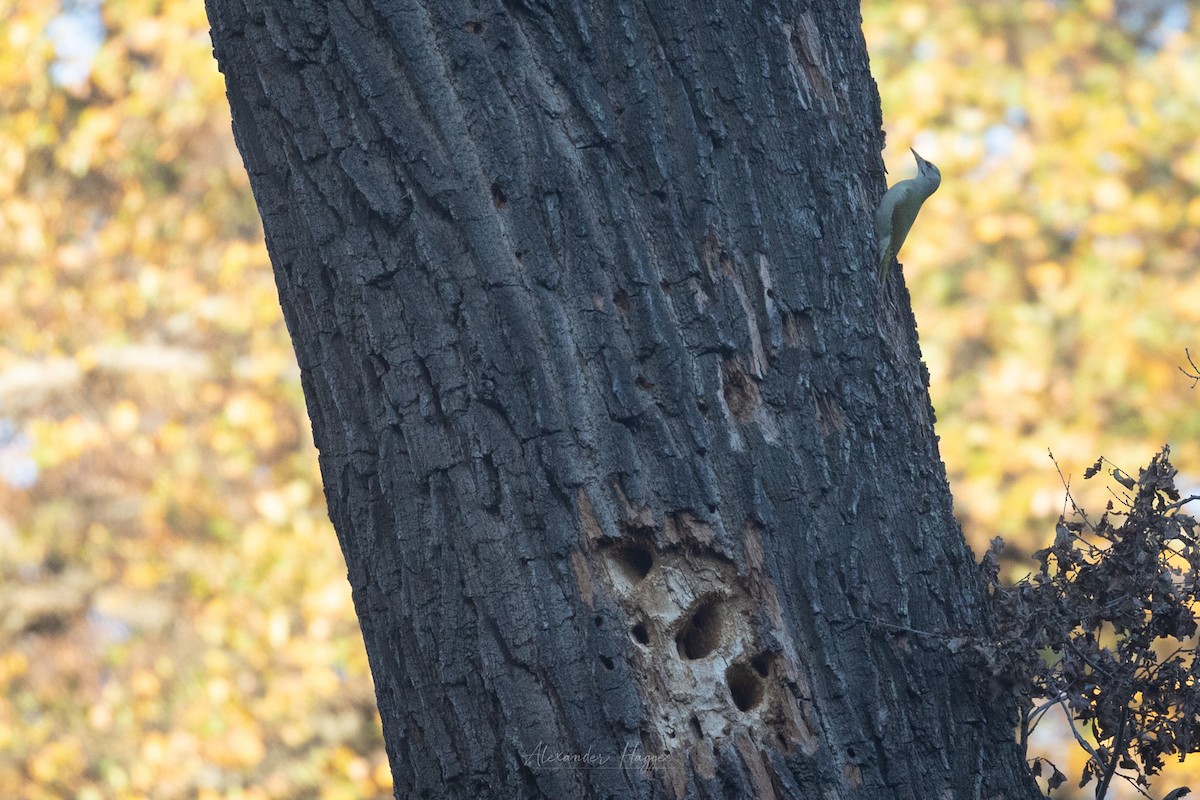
(1105, 628)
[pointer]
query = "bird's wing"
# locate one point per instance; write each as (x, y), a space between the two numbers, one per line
(902, 220)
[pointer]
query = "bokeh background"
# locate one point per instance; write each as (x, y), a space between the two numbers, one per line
(174, 615)
(1055, 275)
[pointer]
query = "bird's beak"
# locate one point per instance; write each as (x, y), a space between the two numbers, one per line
(917, 156)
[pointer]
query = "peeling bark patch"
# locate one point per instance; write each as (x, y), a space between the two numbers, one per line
(583, 580)
(760, 770)
(752, 544)
(633, 518)
(727, 268)
(809, 62)
(830, 418)
(687, 527)
(710, 254)
(703, 759)
(791, 330)
(587, 517)
(739, 390)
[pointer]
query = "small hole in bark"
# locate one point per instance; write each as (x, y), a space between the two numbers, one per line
(666, 286)
(739, 389)
(701, 634)
(621, 300)
(640, 634)
(380, 364)
(499, 199)
(744, 686)
(474, 26)
(607, 662)
(599, 621)
(697, 731)
(761, 664)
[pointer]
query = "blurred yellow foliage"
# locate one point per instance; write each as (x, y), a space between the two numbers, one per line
(1067, 142)
(173, 604)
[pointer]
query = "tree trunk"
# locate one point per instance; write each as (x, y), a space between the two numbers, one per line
(630, 456)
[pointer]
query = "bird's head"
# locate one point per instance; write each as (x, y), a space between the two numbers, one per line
(927, 170)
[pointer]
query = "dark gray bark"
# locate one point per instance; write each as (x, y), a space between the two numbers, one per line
(626, 449)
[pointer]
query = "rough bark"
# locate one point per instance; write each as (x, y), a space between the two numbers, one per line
(628, 453)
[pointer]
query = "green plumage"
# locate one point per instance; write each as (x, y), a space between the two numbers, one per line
(898, 210)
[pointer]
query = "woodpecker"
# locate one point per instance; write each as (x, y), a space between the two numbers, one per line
(899, 208)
